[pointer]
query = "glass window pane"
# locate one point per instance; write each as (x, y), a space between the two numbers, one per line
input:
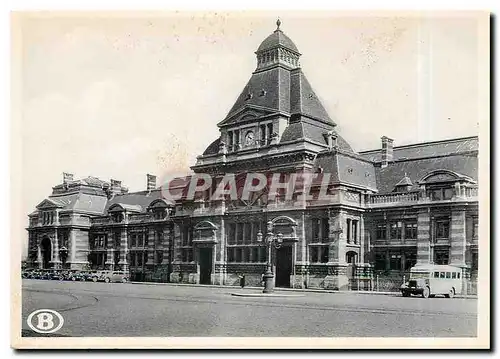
(448, 193)
(324, 255)
(314, 254)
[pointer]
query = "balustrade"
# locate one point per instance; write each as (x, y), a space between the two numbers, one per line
(394, 198)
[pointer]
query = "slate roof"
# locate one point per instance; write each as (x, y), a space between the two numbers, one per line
(310, 104)
(140, 199)
(314, 132)
(277, 38)
(129, 207)
(426, 149)
(276, 84)
(81, 202)
(405, 181)
(93, 181)
(347, 169)
(278, 89)
(213, 148)
(389, 177)
(284, 91)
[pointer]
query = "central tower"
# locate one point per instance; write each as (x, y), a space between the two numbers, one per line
(277, 111)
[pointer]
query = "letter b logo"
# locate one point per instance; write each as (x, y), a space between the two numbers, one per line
(45, 321)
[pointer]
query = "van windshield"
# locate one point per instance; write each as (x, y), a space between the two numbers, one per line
(419, 275)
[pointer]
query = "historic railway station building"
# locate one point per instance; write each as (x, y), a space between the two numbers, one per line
(391, 207)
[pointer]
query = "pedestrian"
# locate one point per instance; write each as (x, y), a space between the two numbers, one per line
(242, 280)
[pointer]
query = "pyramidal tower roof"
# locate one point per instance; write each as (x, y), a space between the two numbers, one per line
(278, 83)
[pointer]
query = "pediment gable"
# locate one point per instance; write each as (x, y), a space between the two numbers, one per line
(159, 204)
(438, 176)
(49, 204)
(246, 114)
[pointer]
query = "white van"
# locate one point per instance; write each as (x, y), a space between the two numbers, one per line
(432, 279)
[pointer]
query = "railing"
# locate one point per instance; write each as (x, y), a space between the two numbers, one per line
(281, 202)
(471, 192)
(209, 207)
(142, 217)
(100, 221)
(63, 221)
(394, 198)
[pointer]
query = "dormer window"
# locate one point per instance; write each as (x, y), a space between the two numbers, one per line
(159, 214)
(440, 194)
(117, 217)
(404, 185)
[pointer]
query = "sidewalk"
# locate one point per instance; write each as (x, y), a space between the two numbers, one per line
(310, 290)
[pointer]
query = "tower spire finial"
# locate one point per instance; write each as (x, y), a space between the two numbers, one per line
(278, 23)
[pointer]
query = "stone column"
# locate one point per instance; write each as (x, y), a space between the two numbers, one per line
(457, 238)
(338, 240)
(176, 255)
(361, 241)
(301, 259)
(220, 255)
(167, 238)
(72, 246)
(423, 237)
(110, 258)
(39, 254)
(151, 233)
(337, 266)
(124, 251)
(55, 251)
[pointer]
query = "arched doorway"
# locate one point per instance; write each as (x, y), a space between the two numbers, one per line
(46, 247)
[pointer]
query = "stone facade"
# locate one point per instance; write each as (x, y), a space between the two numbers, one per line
(388, 209)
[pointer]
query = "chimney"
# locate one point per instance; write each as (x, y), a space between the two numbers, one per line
(67, 177)
(331, 139)
(151, 185)
(116, 187)
(387, 145)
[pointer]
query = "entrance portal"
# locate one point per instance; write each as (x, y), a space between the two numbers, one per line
(46, 248)
(205, 261)
(283, 266)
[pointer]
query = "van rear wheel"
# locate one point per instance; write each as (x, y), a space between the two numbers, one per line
(426, 293)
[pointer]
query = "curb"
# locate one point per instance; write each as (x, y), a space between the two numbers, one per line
(364, 292)
(264, 295)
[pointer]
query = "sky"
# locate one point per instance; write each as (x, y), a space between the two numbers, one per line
(122, 95)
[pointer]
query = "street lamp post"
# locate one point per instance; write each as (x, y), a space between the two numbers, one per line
(271, 240)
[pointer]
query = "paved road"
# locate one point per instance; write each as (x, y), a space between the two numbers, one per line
(105, 309)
